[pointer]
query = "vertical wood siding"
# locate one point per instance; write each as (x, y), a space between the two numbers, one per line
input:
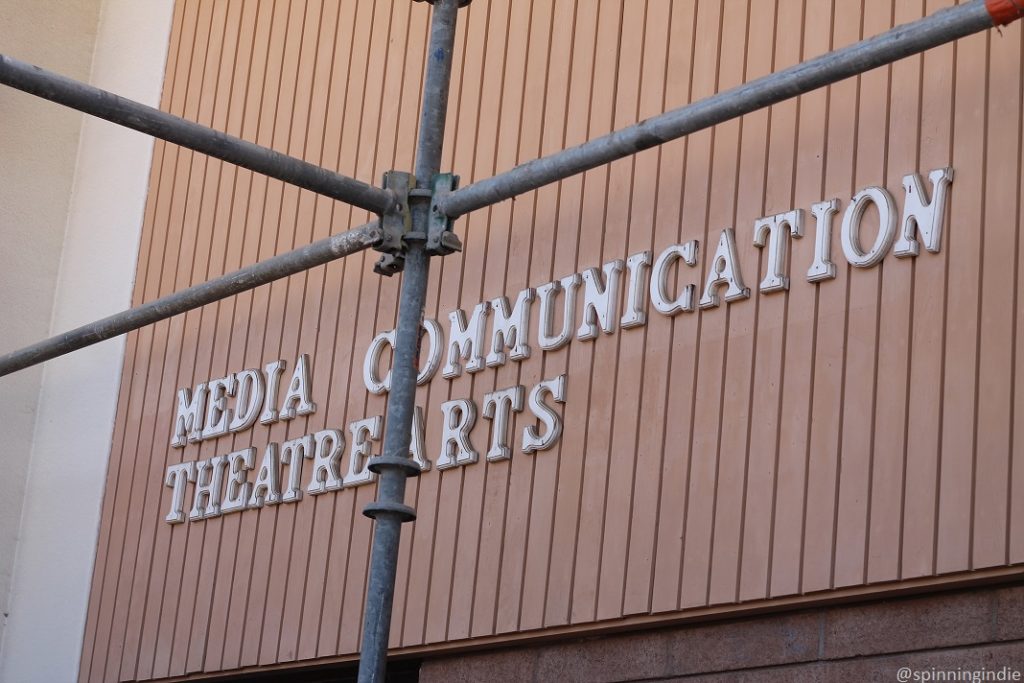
(858, 431)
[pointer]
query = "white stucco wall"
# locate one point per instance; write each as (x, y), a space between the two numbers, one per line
(34, 196)
(99, 218)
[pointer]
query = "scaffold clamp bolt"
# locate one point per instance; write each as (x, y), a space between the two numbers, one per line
(395, 224)
(441, 241)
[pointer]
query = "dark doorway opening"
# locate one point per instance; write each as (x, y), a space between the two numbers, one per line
(402, 671)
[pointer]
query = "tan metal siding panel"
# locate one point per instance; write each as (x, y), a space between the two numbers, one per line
(1015, 508)
(796, 469)
(738, 412)
(888, 443)
(830, 356)
(651, 229)
(861, 345)
(191, 267)
(926, 374)
(784, 444)
(572, 359)
(132, 588)
(682, 362)
(625, 357)
(717, 167)
(956, 473)
(152, 345)
(460, 279)
(997, 306)
(212, 343)
(769, 373)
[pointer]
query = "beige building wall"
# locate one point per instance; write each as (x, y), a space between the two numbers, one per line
(35, 190)
(71, 196)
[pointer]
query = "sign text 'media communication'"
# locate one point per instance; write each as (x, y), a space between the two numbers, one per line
(236, 402)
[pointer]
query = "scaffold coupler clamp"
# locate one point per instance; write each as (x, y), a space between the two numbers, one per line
(441, 241)
(395, 224)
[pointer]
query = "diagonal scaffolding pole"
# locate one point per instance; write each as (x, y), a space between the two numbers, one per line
(250, 277)
(395, 465)
(902, 41)
(389, 510)
(942, 27)
(120, 110)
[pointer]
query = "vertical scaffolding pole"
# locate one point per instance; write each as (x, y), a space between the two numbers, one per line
(389, 510)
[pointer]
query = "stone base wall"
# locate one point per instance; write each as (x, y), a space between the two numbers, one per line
(941, 636)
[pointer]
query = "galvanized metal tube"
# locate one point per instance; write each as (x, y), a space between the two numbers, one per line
(122, 111)
(250, 277)
(942, 27)
(389, 511)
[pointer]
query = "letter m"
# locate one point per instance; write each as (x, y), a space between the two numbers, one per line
(188, 420)
(466, 341)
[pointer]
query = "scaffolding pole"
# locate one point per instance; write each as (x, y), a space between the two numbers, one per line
(250, 277)
(122, 111)
(389, 511)
(942, 27)
(902, 41)
(423, 211)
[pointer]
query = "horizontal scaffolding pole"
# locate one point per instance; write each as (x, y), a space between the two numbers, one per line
(903, 41)
(122, 111)
(250, 277)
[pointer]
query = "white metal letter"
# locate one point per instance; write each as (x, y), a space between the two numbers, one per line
(435, 340)
(178, 477)
(823, 268)
(498, 405)
(532, 440)
(249, 399)
(659, 279)
(330, 443)
(507, 327)
(188, 420)
(466, 341)
(927, 218)
(238, 491)
(371, 377)
(600, 303)
(773, 229)
(266, 490)
(546, 338)
(218, 415)
(273, 371)
(293, 453)
(374, 384)
(456, 448)
(636, 292)
(206, 498)
(364, 432)
(724, 270)
(417, 442)
(297, 400)
(881, 198)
